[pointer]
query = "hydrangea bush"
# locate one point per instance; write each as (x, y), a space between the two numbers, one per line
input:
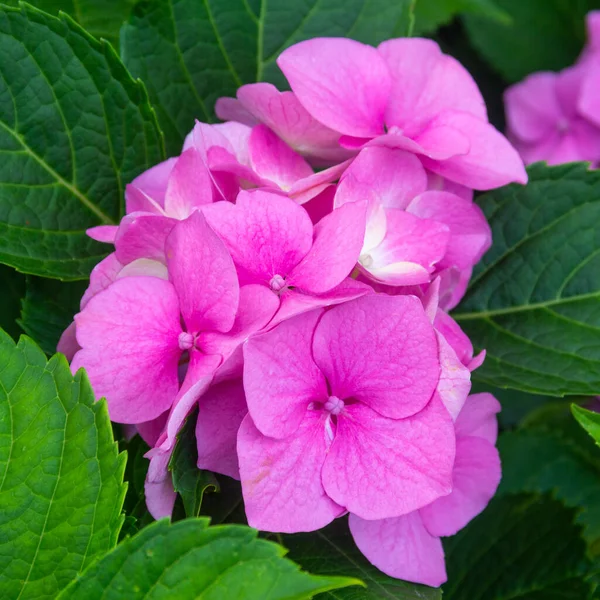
(312, 285)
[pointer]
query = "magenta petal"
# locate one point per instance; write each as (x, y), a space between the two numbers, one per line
(267, 234)
(475, 478)
(454, 335)
(342, 83)
(455, 379)
(426, 82)
(380, 350)
(379, 467)
(142, 235)
(139, 202)
(158, 488)
(281, 478)
(338, 240)
(231, 109)
(401, 547)
(153, 185)
(102, 275)
(294, 302)
(103, 233)
(221, 411)
(470, 233)
(67, 344)
(257, 306)
(272, 159)
(150, 431)
(281, 112)
(203, 275)
(387, 176)
(280, 376)
(491, 161)
(130, 350)
(305, 189)
(478, 418)
(189, 185)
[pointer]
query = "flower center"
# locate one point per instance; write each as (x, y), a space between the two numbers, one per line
(277, 283)
(334, 405)
(366, 260)
(186, 340)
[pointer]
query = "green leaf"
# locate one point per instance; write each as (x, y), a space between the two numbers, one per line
(12, 284)
(74, 129)
(191, 52)
(190, 482)
(61, 477)
(542, 35)
(543, 461)
(332, 550)
(48, 308)
(102, 18)
(431, 14)
(189, 560)
(589, 420)
(521, 546)
(533, 302)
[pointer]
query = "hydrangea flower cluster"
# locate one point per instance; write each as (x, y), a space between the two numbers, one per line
(555, 117)
(290, 273)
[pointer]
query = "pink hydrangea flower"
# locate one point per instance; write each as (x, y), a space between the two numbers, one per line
(406, 93)
(344, 415)
(409, 547)
(412, 234)
(555, 117)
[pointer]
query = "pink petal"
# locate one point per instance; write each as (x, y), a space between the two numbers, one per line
(67, 344)
(470, 234)
(280, 376)
(342, 83)
(231, 109)
(158, 488)
(453, 286)
(401, 547)
(130, 350)
(266, 234)
(144, 267)
(272, 159)
(281, 112)
(380, 350)
(436, 183)
(257, 306)
(153, 184)
(475, 478)
(103, 233)
(378, 467)
(454, 335)
(102, 275)
(150, 431)
(410, 251)
(142, 235)
(138, 201)
(203, 274)
(338, 240)
(532, 108)
(197, 380)
(478, 418)
(189, 185)
(425, 82)
(281, 478)
(295, 302)
(386, 176)
(305, 189)
(221, 411)
(320, 205)
(491, 161)
(455, 379)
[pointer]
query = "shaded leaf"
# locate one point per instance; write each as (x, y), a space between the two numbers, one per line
(191, 52)
(48, 308)
(332, 550)
(589, 420)
(12, 284)
(190, 482)
(541, 35)
(533, 299)
(521, 546)
(74, 129)
(61, 477)
(188, 560)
